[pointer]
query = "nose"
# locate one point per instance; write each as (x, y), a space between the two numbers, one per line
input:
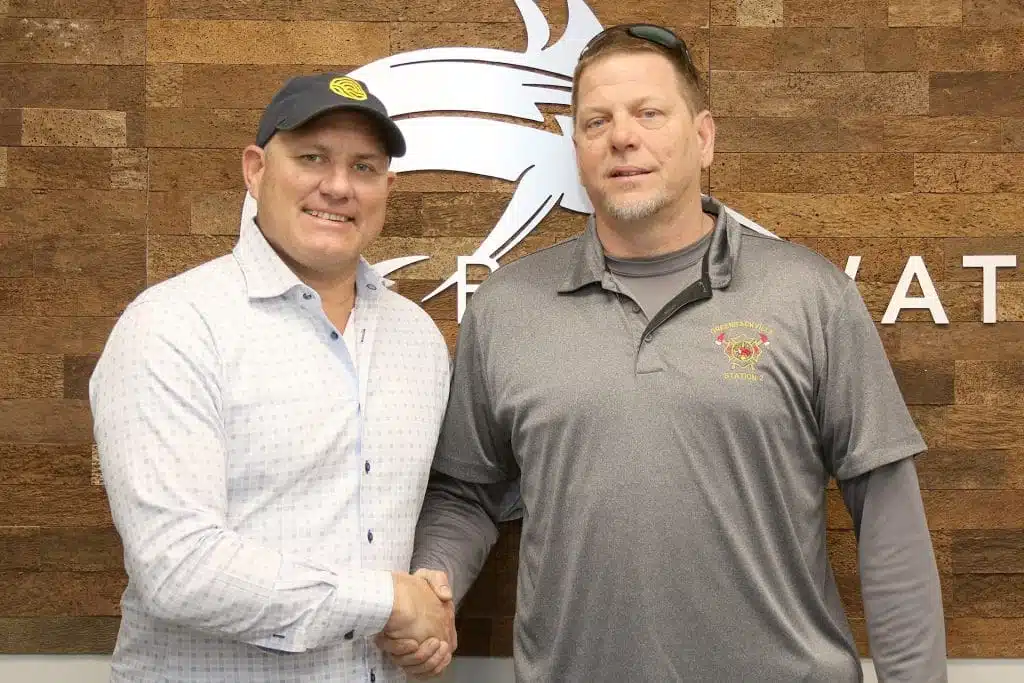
(336, 182)
(623, 133)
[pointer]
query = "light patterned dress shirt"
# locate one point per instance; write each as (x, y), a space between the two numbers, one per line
(264, 477)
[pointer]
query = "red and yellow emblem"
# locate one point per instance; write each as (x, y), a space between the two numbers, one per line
(744, 344)
(743, 352)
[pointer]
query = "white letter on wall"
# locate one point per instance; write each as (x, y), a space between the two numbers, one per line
(462, 263)
(915, 268)
(852, 266)
(988, 265)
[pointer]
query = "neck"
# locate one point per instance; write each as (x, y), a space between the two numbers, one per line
(337, 290)
(671, 229)
(335, 293)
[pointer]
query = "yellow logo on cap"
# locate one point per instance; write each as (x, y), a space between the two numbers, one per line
(347, 87)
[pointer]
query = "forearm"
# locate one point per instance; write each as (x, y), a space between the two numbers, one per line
(456, 529)
(210, 579)
(899, 577)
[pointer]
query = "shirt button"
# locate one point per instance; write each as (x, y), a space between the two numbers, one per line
(334, 335)
(369, 535)
(636, 309)
(648, 338)
(350, 635)
(373, 676)
(367, 466)
(307, 296)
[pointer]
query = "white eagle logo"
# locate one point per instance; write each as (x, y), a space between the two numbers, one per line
(502, 82)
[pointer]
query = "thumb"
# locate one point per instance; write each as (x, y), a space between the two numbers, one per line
(438, 581)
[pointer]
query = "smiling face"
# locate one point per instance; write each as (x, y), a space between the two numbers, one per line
(639, 146)
(321, 192)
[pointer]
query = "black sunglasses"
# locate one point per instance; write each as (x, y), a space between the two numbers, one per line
(659, 35)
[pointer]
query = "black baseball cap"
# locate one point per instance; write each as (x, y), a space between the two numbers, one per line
(303, 98)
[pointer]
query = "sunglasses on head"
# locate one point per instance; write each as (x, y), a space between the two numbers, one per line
(659, 35)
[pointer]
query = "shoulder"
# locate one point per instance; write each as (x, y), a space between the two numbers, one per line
(537, 274)
(208, 286)
(401, 313)
(184, 306)
(791, 266)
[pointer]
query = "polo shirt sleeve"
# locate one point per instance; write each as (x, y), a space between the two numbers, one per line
(472, 445)
(862, 418)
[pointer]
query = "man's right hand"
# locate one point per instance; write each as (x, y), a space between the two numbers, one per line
(422, 658)
(418, 614)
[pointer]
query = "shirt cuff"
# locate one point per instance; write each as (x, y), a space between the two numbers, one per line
(367, 604)
(362, 604)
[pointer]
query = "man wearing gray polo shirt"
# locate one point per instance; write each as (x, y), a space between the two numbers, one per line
(671, 393)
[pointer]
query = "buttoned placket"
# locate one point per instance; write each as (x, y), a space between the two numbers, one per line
(364, 322)
(357, 359)
(643, 331)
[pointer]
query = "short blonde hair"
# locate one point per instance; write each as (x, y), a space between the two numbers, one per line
(620, 40)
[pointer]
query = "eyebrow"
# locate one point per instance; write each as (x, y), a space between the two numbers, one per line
(645, 100)
(375, 156)
(321, 149)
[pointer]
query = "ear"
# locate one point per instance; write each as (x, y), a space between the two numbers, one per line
(706, 134)
(391, 179)
(254, 162)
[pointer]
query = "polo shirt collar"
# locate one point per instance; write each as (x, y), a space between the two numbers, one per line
(588, 264)
(267, 275)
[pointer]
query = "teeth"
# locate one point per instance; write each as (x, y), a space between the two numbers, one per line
(329, 216)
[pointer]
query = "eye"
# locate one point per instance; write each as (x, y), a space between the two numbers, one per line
(363, 167)
(595, 123)
(650, 113)
(312, 158)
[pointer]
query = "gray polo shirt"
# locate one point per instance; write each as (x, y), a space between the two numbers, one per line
(672, 472)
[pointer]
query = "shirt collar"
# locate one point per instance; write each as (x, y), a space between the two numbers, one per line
(588, 266)
(268, 276)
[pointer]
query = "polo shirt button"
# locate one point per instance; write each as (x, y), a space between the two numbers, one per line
(648, 338)
(307, 296)
(367, 466)
(334, 335)
(369, 535)
(350, 635)
(636, 309)
(373, 676)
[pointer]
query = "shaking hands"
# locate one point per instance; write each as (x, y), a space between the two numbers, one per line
(420, 635)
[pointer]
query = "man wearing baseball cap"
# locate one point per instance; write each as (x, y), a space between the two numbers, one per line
(266, 422)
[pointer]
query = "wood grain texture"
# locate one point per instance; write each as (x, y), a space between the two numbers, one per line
(35, 466)
(72, 41)
(67, 86)
(925, 12)
(993, 13)
(880, 215)
(880, 128)
(943, 49)
(756, 93)
(787, 49)
(976, 93)
(58, 635)
(186, 41)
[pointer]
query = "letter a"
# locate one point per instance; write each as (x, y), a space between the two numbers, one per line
(915, 268)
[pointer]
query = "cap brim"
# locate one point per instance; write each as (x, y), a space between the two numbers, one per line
(394, 141)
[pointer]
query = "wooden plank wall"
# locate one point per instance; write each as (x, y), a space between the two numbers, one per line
(882, 128)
